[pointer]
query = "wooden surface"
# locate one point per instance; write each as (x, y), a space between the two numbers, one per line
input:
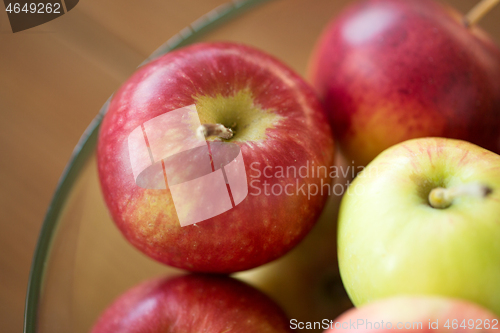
(54, 79)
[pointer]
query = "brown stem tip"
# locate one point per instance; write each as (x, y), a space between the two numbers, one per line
(218, 130)
(443, 197)
(478, 11)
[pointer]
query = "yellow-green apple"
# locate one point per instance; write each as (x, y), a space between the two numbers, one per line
(390, 70)
(417, 314)
(206, 156)
(192, 304)
(423, 218)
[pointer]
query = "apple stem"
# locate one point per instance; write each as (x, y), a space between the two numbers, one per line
(478, 11)
(219, 130)
(443, 197)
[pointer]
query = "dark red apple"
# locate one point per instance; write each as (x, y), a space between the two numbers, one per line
(392, 70)
(193, 304)
(416, 314)
(246, 192)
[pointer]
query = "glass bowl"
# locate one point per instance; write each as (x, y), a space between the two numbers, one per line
(82, 262)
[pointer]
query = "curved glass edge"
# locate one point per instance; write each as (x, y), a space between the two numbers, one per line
(87, 144)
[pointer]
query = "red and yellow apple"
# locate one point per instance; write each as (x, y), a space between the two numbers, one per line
(390, 70)
(192, 304)
(423, 218)
(416, 314)
(306, 281)
(257, 106)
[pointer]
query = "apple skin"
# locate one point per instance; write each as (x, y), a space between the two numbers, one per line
(286, 126)
(392, 242)
(390, 70)
(412, 310)
(306, 281)
(192, 304)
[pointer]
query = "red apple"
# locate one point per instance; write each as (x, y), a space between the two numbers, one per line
(192, 304)
(269, 118)
(306, 281)
(417, 314)
(391, 70)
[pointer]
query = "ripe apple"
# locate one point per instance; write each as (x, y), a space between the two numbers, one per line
(391, 70)
(397, 237)
(192, 304)
(417, 314)
(246, 102)
(306, 281)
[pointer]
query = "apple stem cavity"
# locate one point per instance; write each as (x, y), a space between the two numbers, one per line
(441, 197)
(478, 11)
(218, 130)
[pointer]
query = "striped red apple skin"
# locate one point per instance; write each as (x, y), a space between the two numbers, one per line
(192, 304)
(390, 70)
(280, 123)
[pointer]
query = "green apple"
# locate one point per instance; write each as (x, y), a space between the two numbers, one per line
(423, 219)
